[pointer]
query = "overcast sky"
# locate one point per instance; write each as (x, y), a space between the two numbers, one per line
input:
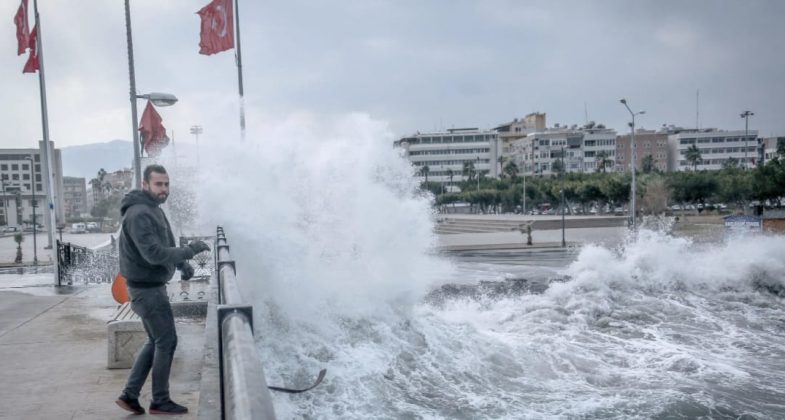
(419, 65)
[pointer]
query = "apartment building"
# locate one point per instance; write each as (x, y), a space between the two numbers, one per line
(23, 184)
(74, 197)
(716, 148)
(585, 149)
(648, 143)
(444, 153)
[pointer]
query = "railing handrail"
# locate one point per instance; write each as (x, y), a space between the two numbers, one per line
(244, 392)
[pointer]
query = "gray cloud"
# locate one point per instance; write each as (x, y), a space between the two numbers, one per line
(418, 65)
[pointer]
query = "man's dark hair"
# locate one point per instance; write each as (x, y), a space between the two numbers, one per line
(153, 168)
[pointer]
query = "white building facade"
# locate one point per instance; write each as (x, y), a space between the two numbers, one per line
(445, 153)
(584, 148)
(23, 182)
(716, 148)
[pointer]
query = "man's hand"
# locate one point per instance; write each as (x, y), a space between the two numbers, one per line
(186, 271)
(198, 246)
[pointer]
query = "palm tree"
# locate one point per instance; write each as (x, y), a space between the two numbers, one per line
(511, 169)
(693, 156)
(468, 169)
(450, 174)
(501, 164)
(18, 238)
(424, 171)
(648, 164)
(602, 161)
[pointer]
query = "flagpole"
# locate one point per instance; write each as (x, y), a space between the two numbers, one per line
(48, 152)
(239, 59)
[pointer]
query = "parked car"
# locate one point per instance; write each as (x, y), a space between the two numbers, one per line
(78, 228)
(10, 229)
(92, 227)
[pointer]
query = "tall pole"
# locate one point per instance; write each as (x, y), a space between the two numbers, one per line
(563, 171)
(477, 172)
(746, 115)
(5, 202)
(524, 191)
(634, 162)
(132, 83)
(48, 152)
(634, 159)
(239, 57)
(33, 203)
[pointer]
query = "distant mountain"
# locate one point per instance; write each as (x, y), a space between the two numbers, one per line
(85, 160)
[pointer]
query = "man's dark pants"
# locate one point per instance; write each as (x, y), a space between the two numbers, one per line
(152, 306)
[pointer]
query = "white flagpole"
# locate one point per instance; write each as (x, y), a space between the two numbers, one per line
(48, 151)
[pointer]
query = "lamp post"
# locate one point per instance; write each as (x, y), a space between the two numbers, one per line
(746, 115)
(196, 130)
(634, 157)
(5, 202)
(477, 171)
(33, 204)
(159, 99)
(524, 188)
(563, 225)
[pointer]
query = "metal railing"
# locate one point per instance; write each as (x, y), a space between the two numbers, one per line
(244, 392)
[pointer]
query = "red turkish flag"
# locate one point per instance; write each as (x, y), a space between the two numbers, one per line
(32, 63)
(153, 133)
(22, 29)
(217, 27)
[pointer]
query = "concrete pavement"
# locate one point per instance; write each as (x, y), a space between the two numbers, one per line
(53, 347)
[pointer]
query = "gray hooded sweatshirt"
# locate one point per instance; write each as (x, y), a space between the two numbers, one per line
(148, 255)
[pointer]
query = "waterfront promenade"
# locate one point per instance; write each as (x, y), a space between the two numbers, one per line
(53, 353)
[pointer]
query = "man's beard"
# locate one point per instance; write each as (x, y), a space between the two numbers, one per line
(160, 199)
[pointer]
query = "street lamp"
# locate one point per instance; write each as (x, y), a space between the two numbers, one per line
(746, 115)
(563, 171)
(33, 203)
(196, 130)
(477, 172)
(634, 155)
(159, 99)
(5, 202)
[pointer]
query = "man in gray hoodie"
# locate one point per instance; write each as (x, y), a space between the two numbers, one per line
(148, 258)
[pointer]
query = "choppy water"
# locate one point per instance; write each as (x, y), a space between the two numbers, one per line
(661, 329)
(336, 253)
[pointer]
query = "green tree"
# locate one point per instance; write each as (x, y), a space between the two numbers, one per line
(781, 147)
(647, 164)
(511, 169)
(18, 238)
(425, 170)
(558, 166)
(603, 160)
(693, 156)
(468, 169)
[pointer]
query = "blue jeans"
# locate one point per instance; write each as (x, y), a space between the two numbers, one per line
(152, 306)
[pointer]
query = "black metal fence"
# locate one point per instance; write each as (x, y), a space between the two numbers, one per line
(77, 264)
(204, 262)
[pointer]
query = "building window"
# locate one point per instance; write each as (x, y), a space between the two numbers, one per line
(14, 167)
(4, 167)
(38, 168)
(26, 177)
(37, 158)
(15, 177)
(38, 187)
(37, 177)
(25, 167)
